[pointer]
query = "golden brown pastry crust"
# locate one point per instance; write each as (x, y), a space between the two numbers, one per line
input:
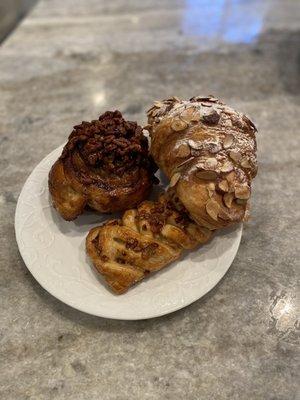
(145, 240)
(104, 165)
(208, 151)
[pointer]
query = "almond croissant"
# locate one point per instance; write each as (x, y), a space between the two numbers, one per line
(145, 240)
(208, 151)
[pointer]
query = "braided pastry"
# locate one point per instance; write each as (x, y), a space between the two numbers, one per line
(104, 165)
(145, 240)
(208, 151)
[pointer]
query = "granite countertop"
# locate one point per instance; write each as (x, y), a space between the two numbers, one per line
(67, 62)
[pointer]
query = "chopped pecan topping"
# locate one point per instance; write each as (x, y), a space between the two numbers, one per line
(111, 142)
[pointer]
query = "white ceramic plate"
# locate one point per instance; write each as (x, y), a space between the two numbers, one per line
(54, 252)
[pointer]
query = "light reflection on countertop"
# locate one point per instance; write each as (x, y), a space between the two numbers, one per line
(99, 98)
(284, 313)
(231, 21)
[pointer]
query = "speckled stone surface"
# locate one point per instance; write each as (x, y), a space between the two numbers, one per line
(70, 60)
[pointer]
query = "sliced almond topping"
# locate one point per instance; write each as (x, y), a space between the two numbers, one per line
(196, 117)
(211, 162)
(183, 151)
(210, 192)
(195, 145)
(176, 106)
(158, 104)
(213, 99)
(223, 185)
(235, 155)
(223, 215)
(228, 198)
(227, 122)
(175, 178)
(175, 98)
(229, 111)
(230, 177)
(206, 104)
(210, 189)
(242, 192)
(206, 175)
(150, 110)
(227, 167)
(187, 114)
(199, 98)
(228, 141)
(178, 125)
(212, 209)
(245, 163)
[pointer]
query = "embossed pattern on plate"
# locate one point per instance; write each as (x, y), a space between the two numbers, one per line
(54, 252)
